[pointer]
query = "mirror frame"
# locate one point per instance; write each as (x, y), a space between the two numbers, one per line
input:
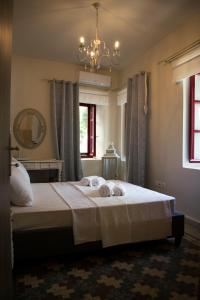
(17, 122)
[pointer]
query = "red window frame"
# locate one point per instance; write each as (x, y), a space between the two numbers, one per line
(193, 102)
(91, 144)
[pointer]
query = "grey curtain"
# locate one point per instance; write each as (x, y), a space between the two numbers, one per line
(65, 116)
(136, 128)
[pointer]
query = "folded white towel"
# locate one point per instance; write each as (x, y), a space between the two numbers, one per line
(92, 181)
(87, 180)
(97, 181)
(106, 190)
(118, 190)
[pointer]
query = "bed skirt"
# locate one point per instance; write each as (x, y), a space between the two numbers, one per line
(29, 244)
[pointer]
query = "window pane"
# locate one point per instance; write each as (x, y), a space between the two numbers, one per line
(197, 87)
(197, 146)
(83, 112)
(197, 117)
(91, 130)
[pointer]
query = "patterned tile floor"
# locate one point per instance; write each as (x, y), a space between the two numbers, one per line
(151, 270)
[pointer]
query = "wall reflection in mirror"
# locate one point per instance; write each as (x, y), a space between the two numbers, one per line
(29, 128)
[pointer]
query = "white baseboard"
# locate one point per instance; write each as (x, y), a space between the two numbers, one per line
(192, 229)
(193, 222)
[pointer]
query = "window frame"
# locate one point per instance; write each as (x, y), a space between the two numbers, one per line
(192, 129)
(91, 143)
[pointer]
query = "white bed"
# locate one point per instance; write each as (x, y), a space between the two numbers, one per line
(48, 210)
(149, 213)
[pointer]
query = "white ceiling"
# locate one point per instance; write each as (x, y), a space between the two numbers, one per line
(51, 29)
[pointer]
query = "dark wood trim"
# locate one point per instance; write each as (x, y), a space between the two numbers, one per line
(5, 80)
(192, 130)
(91, 142)
(192, 87)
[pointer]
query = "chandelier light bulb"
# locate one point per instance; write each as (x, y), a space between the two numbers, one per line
(92, 53)
(82, 40)
(117, 45)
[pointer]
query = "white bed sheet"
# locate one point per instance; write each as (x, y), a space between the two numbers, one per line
(134, 195)
(140, 215)
(48, 210)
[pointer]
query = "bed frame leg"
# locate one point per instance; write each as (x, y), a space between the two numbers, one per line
(178, 227)
(177, 240)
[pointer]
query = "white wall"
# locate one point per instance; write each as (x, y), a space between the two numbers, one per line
(166, 121)
(30, 89)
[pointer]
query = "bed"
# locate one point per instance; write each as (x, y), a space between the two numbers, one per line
(54, 225)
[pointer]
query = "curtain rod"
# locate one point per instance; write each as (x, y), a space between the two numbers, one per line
(180, 53)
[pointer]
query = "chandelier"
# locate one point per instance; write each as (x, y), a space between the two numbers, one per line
(97, 54)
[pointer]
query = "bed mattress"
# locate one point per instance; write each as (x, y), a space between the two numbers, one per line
(49, 210)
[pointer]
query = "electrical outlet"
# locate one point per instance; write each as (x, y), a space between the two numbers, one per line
(160, 186)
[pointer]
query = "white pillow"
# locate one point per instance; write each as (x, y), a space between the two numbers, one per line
(21, 191)
(20, 167)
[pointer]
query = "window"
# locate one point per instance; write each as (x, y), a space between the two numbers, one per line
(123, 130)
(122, 103)
(87, 114)
(195, 118)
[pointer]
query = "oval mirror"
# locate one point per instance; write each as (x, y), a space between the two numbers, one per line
(29, 128)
